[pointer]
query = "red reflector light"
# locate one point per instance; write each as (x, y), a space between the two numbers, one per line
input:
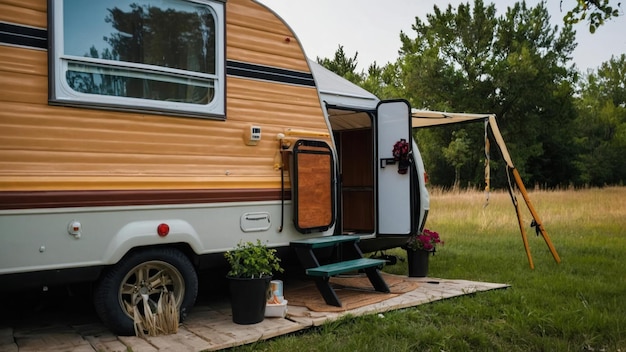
(163, 230)
(426, 178)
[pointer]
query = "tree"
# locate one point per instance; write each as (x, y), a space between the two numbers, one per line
(343, 65)
(467, 59)
(601, 123)
(457, 153)
(598, 11)
(381, 81)
(384, 82)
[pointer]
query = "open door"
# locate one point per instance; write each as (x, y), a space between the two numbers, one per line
(394, 206)
(313, 186)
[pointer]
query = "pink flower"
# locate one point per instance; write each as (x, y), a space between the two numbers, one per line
(427, 241)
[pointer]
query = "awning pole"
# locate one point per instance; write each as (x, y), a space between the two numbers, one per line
(544, 233)
(487, 166)
(519, 218)
(520, 185)
(524, 237)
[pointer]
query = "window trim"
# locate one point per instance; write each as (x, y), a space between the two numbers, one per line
(61, 94)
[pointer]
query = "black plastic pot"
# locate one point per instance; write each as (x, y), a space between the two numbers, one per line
(248, 298)
(418, 262)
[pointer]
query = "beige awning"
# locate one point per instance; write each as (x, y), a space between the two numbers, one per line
(427, 118)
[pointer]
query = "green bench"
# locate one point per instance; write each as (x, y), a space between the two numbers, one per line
(350, 259)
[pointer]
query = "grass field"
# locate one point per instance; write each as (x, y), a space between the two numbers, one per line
(577, 305)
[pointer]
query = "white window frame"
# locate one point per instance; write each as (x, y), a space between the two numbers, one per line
(60, 93)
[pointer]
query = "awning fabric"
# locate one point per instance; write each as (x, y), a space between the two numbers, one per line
(427, 118)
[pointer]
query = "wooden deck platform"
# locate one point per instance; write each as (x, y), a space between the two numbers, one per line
(209, 326)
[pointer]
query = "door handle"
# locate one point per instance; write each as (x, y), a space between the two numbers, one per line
(387, 161)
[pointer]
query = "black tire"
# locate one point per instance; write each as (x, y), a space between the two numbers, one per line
(123, 283)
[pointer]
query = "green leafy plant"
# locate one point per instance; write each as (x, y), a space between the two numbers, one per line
(252, 260)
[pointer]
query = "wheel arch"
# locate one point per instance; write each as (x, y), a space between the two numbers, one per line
(182, 247)
(139, 235)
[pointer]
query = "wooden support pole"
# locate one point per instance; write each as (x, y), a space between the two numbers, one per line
(518, 180)
(520, 185)
(524, 237)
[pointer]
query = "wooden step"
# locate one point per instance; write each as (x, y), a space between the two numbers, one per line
(327, 241)
(305, 250)
(344, 267)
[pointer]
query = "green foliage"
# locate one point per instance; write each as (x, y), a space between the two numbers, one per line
(384, 82)
(342, 65)
(596, 12)
(252, 260)
(457, 152)
(380, 81)
(601, 124)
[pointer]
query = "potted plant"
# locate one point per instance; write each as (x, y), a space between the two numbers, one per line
(418, 248)
(251, 268)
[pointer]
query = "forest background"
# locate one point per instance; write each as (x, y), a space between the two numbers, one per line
(563, 127)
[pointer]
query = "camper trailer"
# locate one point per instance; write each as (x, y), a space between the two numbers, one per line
(140, 140)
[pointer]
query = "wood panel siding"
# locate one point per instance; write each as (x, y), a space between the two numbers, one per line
(27, 12)
(16, 61)
(36, 139)
(17, 87)
(256, 34)
(57, 148)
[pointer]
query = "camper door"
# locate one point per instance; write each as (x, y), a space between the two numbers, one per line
(393, 134)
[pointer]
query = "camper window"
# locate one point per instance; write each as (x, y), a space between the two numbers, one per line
(139, 55)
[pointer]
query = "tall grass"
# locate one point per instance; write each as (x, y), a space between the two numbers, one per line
(577, 305)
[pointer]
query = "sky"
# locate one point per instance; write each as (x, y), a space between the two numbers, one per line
(372, 28)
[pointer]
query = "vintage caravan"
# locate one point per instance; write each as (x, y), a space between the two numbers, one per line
(140, 140)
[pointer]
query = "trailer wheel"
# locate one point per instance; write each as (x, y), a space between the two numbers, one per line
(145, 272)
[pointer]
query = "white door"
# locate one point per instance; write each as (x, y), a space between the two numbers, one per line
(393, 124)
